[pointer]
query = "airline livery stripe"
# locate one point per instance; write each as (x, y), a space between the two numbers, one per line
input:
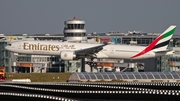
(148, 48)
(168, 33)
(161, 44)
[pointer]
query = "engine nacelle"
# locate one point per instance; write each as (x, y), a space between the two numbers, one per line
(67, 55)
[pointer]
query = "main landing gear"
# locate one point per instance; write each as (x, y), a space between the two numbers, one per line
(92, 64)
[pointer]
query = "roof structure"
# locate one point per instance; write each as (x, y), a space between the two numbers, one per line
(84, 76)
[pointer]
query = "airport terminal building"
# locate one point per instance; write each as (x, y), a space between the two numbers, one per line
(74, 32)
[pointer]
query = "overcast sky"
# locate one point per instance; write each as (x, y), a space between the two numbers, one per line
(48, 16)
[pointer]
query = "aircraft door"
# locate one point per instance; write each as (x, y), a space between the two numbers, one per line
(111, 50)
(20, 46)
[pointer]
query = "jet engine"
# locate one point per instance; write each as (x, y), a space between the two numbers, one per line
(67, 55)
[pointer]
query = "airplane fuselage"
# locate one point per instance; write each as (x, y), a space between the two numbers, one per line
(123, 52)
(55, 48)
(46, 47)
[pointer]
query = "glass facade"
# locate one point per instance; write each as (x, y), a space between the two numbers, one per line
(72, 66)
(24, 58)
(139, 39)
(4, 56)
(75, 26)
(163, 63)
(74, 34)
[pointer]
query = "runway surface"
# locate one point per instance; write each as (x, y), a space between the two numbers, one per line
(93, 91)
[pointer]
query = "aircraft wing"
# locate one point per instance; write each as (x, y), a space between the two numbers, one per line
(89, 51)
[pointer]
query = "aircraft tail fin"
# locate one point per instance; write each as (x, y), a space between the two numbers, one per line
(160, 43)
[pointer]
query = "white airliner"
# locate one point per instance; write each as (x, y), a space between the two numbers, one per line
(73, 51)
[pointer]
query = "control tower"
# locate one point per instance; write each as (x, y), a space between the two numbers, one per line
(74, 30)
